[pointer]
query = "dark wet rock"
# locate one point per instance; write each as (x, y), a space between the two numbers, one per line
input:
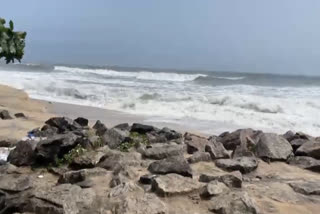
(90, 142)
(3, 162)
(48, 150)
(199, 157)
(100, 128)
(175, 164)
(147, 179)
(289, 135)
(45, 131)
(15, 182)
(4, 115)
(141, 128)
(306, 187)
(123, 127)
(233, 203)
(8, 143)
(63, 124)
(82, 121)
(87, 160)
(23, 154)
(170, 135)
(233, 179)
(273, 147)
(161, 151)
(242, 164)
(114, 137)
(310, 148)
(214, 188)
(154, 137)
(174, 184)
(195, 143)
(231, 140)
(20, 115)
(306, 163)
(65, 198)
(216, 150)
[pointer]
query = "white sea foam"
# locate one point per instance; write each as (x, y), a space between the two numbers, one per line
(268, 108)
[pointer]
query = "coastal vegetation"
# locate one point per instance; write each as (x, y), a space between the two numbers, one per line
(12, 43)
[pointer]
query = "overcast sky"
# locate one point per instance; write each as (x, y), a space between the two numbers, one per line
(277, 36)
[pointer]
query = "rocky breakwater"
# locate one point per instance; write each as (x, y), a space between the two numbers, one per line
(72, 168)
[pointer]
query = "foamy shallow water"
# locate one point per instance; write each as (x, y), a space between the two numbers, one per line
(266, 102)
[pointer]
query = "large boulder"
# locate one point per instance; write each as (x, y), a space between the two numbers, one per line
(176, 164)
(233, 203)
(273, 147)
(214, 188)
(141, 128)
(199, 157)
(4, 115)
(170, 135)
(233, 179)
(310, 148)
(231, 140)
(306, 187)
(63, 124)
(306, 163)
(100, 128)
(81, 175)
(56, 147)
(15, 182)
(174, 184)
(23, 154)
(216, 150)
(195, 143)
(242, 164)
(160, 151)
(87, 160)
(114, 137)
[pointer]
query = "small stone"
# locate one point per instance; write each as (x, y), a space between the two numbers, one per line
(147, 179)
(20, 115)
(199, 157)
(4, 115)
(82, 121)
(213, 188)
(243, 164)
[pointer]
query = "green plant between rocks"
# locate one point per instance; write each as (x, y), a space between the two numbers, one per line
(70, 156)
(135, 140)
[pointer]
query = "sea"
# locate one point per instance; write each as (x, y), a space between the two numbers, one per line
(224, 100)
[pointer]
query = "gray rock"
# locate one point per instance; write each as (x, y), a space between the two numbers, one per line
(231, 140)
(306, 187)
(310, 148)
(176, 164)
(147, 179)
(161, 151)
(170, 135)
(273, 147)
(63, 199)
(174, 184)
(141, 128)
(4, 115)
(23, 154)
(306, 163)
(47, 150)
(296, 143)
(73, 177)
(199, 157)
(87, 160)
(123, 127)
(8, 142)
(233, 203)
(114, 137)
(15, 182)
(213, 188)
(233, 179)
(195, 143)
(216, 150)
(100, 128)
(242, 164)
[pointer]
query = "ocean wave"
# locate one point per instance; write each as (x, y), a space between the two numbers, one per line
(141, 75)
